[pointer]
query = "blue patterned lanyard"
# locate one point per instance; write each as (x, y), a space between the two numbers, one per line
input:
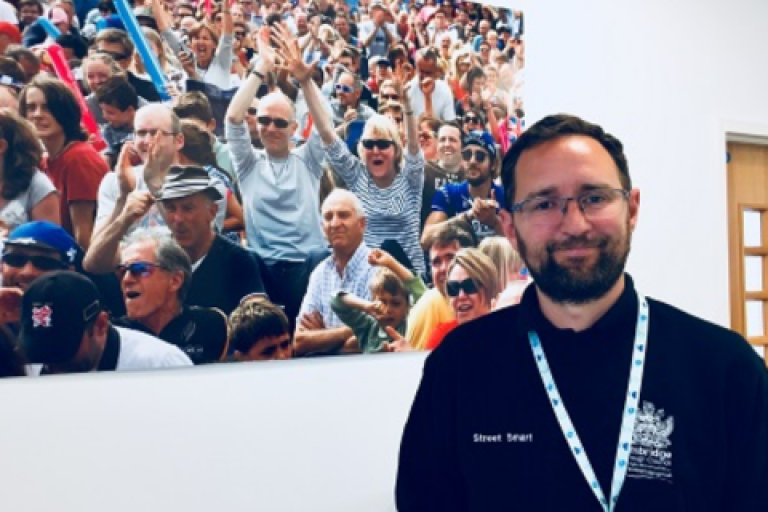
(630, 410)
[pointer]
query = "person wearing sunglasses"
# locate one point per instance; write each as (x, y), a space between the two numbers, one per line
(471, 287)
(475, 200)
(155, 275)
(116, 43)
(387, 177)
(347, 106)
(280, 184)
(65, 329)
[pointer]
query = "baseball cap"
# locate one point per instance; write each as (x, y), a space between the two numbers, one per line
(143, 12)
(482, 139)
(41, 234)
(379, 61)
(11, 30)
(55, 310)
(187, 180)
(58, 15)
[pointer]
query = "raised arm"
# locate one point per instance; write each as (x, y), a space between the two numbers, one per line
(247, 91)
(382, 258)
(292, 62)
(411, 124)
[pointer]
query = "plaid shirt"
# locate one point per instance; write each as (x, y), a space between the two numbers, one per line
(325, 282)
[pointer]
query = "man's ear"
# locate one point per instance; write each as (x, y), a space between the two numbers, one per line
(508, 224)
(212, 125)
(3, 146)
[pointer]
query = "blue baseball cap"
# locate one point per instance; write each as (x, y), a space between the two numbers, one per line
(482, 139)
(45, 235)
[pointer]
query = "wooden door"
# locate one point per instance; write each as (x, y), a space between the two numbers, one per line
(748, 241)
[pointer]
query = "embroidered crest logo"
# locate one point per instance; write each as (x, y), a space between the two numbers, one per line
(42, 316)
(651, 456)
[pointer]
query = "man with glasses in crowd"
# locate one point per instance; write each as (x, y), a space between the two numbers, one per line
(347, 106)
(476, 199)
(427, 93)
(610, 388)
(280, 187)
(118, 45)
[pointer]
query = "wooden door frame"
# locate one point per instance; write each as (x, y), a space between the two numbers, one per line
(745, 133)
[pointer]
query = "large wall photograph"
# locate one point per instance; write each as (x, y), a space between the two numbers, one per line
(199, 183)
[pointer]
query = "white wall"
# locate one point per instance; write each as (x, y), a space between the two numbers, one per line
(322, 435)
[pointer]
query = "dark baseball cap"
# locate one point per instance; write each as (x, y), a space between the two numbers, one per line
(55, 310)
(482, 139)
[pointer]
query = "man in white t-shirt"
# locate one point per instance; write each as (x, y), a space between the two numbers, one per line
(65, 330)
(428, 93)
(377, 34)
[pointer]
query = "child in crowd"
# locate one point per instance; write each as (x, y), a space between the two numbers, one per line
(394, 289)
(260, 331)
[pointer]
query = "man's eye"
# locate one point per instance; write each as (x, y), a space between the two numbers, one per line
(593, 199)
(543, 205)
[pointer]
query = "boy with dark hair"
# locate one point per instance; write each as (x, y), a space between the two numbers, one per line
(118, 102)
(260, 331)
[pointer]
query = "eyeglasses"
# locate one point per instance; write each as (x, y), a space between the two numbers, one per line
(344, 88)
(472, 119)
(239, 34)
(138, 269)
(485, 50)
(390, 97)
(479, 156)
(382, 144)
(548, 211)
(453, 288)
(398, 120)
(252, 111)
(279, 123)
(44, 263)
(115, 55)
(140, 134)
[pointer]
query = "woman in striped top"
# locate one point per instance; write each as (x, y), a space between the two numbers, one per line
(387, 177)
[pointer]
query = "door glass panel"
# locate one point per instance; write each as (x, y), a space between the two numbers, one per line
(752, 229)
(753, 273)
(755, 327)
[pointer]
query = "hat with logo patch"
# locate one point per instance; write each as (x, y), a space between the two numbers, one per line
(55, 311)
(41, 234)
(482, 139)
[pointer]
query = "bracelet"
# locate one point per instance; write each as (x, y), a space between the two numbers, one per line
(257, 73)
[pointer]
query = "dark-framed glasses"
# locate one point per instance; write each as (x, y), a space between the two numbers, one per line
(381, 144)
(390, 97)
(44, 263)
(547, 211)
(279, 123)
(472, 119)
(453, 288)
(138, 269)
(140, 134)
(479, 156)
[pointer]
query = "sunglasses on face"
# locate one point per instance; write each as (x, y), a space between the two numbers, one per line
(279, 123)
(137, 269)
(45, 263)
(471, 119)
(381, 144)
(480, 156)
(239, 34)
(390, 97)
(252, 111)
(344, 88)
(453, 288)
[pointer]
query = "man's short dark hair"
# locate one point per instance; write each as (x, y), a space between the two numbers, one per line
(194, 105)
(449, 232)
(11, 68)
(351, 52)
(74, 43)
(255, 320)
(554, 127)
(117, 92)
(32, 3)
(115, 36)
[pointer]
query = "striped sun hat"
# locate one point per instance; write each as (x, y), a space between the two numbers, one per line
(188, 180)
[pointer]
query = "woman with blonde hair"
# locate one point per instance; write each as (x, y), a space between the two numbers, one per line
(510, 267)
(472, 286)
(165, 58)
(387, 177)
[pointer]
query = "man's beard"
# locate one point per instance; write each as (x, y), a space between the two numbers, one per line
(481, 179)
(582, 285)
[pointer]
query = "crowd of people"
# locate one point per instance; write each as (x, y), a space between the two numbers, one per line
(307, 178)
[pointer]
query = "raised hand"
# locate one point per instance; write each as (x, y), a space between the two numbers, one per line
(264, 47)
(123, 170)
(379, 258)
(375, 308)
(399, 344)
(291, 56)
(137, 205)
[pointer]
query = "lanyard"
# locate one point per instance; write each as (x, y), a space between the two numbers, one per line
(630, 410)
